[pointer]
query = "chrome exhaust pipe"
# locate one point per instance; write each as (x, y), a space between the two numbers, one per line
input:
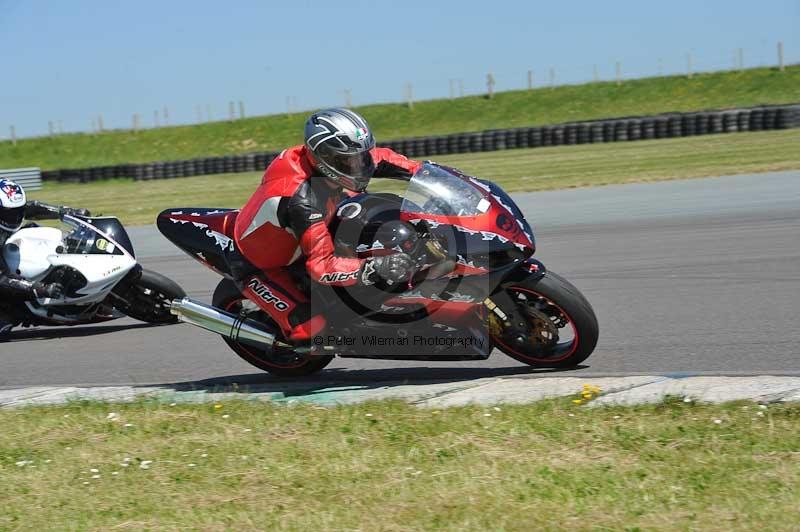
(212, 319)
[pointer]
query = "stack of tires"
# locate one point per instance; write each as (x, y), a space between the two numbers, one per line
(669, 125)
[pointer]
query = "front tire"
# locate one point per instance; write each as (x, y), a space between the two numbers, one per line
(148, 298)
(554, 309)
(280, 362)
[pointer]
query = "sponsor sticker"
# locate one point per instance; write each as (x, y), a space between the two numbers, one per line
(349, 211)
(263, 291)
(505, 223)
(338, 277)
(104, 245)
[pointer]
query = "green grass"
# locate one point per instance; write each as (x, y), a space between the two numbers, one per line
(390, 466)
(391, 121)
(515, 170)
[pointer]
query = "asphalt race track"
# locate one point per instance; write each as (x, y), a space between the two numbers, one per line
(687, 277)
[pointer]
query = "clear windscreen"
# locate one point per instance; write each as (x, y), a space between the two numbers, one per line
(435, 190)
(81, 239)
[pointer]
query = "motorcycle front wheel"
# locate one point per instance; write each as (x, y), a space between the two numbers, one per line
(561, 326)
(280, 362)
(147, 298)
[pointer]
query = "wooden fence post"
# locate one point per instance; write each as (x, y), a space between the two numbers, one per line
(410, 95)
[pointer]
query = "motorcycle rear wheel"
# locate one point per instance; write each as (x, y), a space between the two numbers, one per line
(279, 362)
(555, 300)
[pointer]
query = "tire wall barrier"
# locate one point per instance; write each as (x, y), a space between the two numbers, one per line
(626, 129)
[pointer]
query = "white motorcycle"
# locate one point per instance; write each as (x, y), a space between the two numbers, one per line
(93, 259)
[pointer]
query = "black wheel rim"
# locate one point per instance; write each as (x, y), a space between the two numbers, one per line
(150, 302)
(281, 358)
(543, 349)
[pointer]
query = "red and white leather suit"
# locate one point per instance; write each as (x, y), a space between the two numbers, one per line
(287, 218)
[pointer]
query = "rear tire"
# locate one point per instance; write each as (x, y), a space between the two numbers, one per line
(281, 363)
(567, 307)
(148, 297)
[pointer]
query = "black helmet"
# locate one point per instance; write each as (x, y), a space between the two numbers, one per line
(339, 143)
(12, 205)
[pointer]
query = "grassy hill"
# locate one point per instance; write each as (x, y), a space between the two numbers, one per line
(508, 109)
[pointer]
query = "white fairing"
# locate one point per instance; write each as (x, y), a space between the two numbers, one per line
(34, 252)
(26, 252)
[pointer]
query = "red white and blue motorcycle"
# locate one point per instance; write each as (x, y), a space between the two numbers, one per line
(476, 286)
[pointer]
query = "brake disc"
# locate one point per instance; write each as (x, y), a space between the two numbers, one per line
(542, 331)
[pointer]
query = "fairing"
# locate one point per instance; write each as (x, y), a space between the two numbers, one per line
(87, 261)
(204, 234)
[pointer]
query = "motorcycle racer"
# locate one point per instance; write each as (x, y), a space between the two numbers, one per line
(287, 217)
(14, 209)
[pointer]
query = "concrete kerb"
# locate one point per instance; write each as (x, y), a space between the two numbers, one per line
(506, 390)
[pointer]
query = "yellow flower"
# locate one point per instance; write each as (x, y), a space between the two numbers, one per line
(589, 388)
(577, 401)
(217, 406)
(586, 395)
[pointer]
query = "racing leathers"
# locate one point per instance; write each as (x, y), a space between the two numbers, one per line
(287, 218)
(13, 287)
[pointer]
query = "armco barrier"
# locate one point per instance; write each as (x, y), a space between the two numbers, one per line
(30, 178)
(662, 126)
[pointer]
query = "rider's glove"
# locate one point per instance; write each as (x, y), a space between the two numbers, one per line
(390, 268)
(51, 290)
(75, 212)
(387, 169)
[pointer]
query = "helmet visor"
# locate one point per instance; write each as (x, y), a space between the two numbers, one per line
(355, 165)
(11, 219)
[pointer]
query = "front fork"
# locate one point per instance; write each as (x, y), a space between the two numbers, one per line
(504, 318)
